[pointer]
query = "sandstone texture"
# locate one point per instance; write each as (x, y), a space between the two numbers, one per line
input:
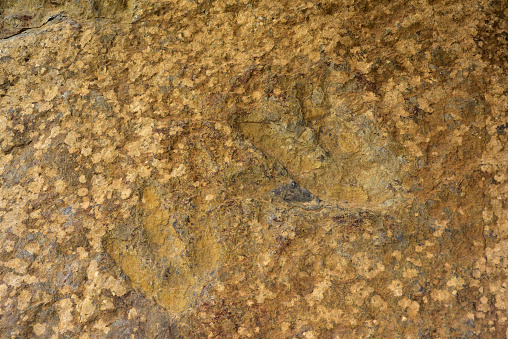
(253, 169)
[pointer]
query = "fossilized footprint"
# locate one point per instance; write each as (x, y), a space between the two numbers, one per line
(336, 154)
(166, 260)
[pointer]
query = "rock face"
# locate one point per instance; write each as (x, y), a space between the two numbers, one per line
(265, 169)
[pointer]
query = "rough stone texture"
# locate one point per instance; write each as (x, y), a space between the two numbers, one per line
(264, 169)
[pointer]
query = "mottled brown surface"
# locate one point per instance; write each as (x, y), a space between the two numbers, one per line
(264, 169)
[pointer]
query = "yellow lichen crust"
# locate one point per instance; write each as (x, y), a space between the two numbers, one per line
(253, 169)
(21, 15)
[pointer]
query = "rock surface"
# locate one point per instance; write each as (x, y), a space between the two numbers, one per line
(264, 169)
